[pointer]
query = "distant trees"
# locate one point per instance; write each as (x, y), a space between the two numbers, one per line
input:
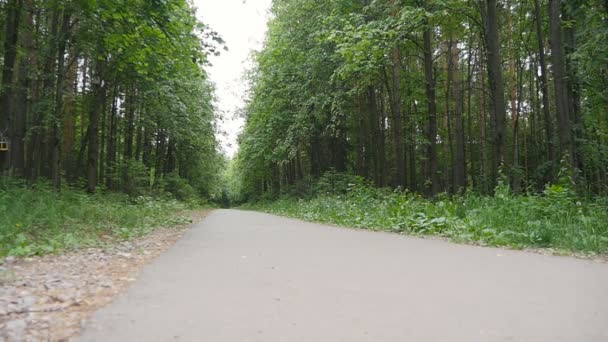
(113, 92)
(433, 96)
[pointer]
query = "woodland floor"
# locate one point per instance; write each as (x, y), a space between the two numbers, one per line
(50, 298)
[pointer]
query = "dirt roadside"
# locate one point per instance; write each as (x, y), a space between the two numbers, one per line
(49, 298)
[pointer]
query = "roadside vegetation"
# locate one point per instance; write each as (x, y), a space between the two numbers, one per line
(38, 220)
(107, 123)
(556, 218)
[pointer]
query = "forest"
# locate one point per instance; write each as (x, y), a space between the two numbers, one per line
(401, 166)
(105, 94)
(483, 122)
(431, 96)
(106, 97)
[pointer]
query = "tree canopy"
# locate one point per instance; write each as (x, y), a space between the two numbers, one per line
(429, 95)
(113, 92)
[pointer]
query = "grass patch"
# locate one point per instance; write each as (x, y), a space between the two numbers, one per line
(555, 219)
(38, 220)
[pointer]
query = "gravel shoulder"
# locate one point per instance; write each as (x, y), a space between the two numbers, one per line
(49, 298)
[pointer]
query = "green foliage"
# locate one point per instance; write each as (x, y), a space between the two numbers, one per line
(343, 85)
(39, 220)
(125, 79)
(178, 187)
(555, 219)
(336, 183)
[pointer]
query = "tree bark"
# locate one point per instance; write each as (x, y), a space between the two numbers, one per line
(559, 80)
(490, 20)
(544, 87)
(58, 110)
(398, 118)
(11, 39)
(432, 163)
(98, 89)
(459, 167)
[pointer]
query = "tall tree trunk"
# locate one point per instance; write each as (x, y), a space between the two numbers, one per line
(374, 127)
(562, 99)
(544, 87)
(483, 130)
(46, 144)
(58, 110)
(11, 39)
(19, 120)
(140, 134)
(98, 90)
(513, 103)
(381, 144)
(490, 20)
(459, 167)
(160, 154)
(103, 133)
(448, 120)
(69, 115)
(130, 123)
(147, 146)
(169, 166)
(26, 70)
(432, 162)
(517, 172)
(111, 139)
(394, 91)
(128, 140)
(31, 27)
(572, 85)
(470, 140)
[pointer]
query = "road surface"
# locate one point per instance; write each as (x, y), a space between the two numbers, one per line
(246, 276)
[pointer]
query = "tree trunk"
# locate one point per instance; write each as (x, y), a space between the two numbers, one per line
(69, 116)
(432, 162)
(160, 154)
(559, 80)
(544, 87)
(394, 91)
(11, 39)
(460, 176)
(381, 152)
(98, 90)
(513, 103)
(490, 20)
(26, 70)
(58, 110)
(130, 123)
(483, 130)
(111, 139)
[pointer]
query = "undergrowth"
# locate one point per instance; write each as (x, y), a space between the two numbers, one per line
(38, 220)
(556, 218)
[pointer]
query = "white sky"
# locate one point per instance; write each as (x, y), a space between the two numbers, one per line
(242, 24)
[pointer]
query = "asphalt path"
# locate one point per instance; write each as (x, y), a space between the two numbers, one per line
(247, 276)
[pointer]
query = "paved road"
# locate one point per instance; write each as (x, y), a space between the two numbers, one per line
(244, 276)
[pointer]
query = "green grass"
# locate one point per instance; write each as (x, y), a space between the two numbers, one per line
(555, 219)
(38, 220)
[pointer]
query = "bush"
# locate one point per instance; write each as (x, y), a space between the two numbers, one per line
(556, 218)
(39, 220)
(178, 187)
(336, 183)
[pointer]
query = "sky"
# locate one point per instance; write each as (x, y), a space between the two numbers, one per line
(242, 24)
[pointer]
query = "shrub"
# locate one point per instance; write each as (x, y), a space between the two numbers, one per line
(39, 220)
(556, 218)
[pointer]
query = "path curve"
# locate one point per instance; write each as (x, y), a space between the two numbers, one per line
(246, 276)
